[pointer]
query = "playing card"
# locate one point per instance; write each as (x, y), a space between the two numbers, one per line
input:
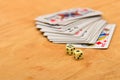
(79, 33)
(93, 34)
(65, 23)
(69, 26)
(83, 27)
(103, 40)
(73, 28)
(85, 36)
(56, 26)
(66, 15)
(42, 28)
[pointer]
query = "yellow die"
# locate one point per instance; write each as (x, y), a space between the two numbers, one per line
(70, 49)
(78, 54)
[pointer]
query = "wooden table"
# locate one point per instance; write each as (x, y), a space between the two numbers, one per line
(26, 55)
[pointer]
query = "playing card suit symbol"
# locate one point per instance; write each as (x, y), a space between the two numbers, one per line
(103, 44)
(52, 20)
(105, 40)
(62, 16)
(77, 32)
(98, 43)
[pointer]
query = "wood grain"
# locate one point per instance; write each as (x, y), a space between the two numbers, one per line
(26, 55)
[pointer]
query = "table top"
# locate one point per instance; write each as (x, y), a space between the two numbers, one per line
(26, 55)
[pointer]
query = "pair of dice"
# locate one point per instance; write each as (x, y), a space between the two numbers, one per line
(78, 54)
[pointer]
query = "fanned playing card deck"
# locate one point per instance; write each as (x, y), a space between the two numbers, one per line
(82, 27)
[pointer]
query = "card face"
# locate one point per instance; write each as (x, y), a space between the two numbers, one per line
(83, 27)
(103, 39)
(79, 25)
(70, 26)
(84, 37)
(95, 32)
(66, 15)
(73, 29)
(78, 33)
(57, 26)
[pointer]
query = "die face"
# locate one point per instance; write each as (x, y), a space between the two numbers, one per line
(78, 54)
(70, 49)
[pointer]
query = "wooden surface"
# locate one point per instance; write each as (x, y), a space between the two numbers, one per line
(26, 55)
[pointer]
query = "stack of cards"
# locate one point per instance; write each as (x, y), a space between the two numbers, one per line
(83, 27)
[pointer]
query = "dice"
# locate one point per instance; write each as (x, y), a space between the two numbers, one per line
(78, 54)
(70, 49)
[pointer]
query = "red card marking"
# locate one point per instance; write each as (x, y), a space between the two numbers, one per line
(52, 20)
(98, 43)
